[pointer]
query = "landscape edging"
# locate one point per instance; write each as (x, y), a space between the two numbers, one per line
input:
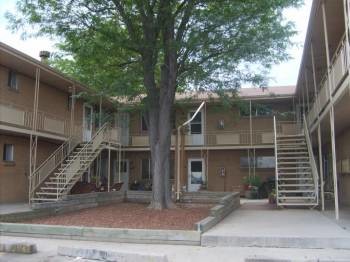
(144, 236)
(227, 204)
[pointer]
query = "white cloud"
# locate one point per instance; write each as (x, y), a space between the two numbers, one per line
(285, 73)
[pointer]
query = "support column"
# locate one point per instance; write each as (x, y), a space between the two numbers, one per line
(72, 112)
(331, 117)
(109, 167)
(346, 20)
(320, 160)
(33, 135)
(307, 90)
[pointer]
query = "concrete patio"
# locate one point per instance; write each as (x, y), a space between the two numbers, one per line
(258, 224)
(14, 208)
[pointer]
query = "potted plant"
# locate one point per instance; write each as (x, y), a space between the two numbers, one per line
(272, 197)
(251, 186)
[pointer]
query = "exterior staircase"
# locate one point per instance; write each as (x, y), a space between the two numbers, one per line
(296, 172)
(60, 177)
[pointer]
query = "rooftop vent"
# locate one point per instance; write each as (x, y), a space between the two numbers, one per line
(44, 56)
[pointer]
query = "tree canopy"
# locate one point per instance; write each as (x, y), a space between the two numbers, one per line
(219, 43)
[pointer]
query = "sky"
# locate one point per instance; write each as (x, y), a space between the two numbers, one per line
(285, 73)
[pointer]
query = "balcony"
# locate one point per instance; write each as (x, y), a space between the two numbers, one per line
(218, 139)
(17, 116)
(337, 72)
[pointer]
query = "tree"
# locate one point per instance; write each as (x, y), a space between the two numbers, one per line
(156, 47)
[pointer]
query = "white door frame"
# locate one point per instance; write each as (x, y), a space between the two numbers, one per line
(194, 187)
(87, 134)
(196, 139)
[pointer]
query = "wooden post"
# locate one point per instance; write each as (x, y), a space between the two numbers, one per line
(331, 116)
(318, 129)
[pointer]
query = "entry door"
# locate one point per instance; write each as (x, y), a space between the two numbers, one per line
(196, 129)
(124, 173)
(87, 122)
(122, 122)
(196, 174)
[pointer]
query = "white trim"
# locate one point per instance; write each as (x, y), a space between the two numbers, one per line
(189, 160)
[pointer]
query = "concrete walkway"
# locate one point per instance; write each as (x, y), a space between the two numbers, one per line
(47, 252)
(259, 224)
(14, 208)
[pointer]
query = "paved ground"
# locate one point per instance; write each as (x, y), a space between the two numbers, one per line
(276, 222)
(14, 208)
(131, 215)
(48, 252)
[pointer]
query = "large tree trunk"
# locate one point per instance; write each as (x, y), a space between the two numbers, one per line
(161, 100)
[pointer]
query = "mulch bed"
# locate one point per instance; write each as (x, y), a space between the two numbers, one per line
(131, 215)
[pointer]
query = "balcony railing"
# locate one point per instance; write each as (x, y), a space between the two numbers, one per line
(222, 138)
(22, 117)
(337, 71)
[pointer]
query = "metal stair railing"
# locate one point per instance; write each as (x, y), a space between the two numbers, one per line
(311, 159)
(50, 164)
(80, 159)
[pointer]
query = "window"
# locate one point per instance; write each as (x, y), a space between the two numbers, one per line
(172, 166)
(8, 152)
(146, 168)
(263, 162)
(12, 80)
(257, 110)
(196, 123)
(143, 123)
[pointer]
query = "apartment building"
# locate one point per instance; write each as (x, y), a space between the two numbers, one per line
(296, 136)
(220, 146)
(322, 95)
(42, 119)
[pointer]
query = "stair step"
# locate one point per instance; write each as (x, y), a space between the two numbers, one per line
(44, 199)
(292, 163)
(296, 197)
(297, 204)
(295, 185)
(295, 191)
(291, 144)
(294, 153)
(48, 193)
(294, 167)
(293, 158)
(50, 188)
(294, 179)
